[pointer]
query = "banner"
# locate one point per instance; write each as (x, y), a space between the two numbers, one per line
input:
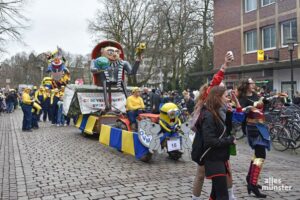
(68, 96)
(93, 102)
(57, 75)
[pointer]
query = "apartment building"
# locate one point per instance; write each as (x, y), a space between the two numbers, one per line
(245, 26)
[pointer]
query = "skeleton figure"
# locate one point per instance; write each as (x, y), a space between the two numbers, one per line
(108, 68)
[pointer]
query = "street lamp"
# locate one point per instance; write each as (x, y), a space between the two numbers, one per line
(291, 45)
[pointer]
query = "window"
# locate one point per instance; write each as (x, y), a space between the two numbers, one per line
(251, 38)
(267, 2)
(268, 37)
(286, 86)
(288, 31)
(250, 5)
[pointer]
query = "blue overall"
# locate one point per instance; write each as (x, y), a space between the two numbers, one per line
(27, 118)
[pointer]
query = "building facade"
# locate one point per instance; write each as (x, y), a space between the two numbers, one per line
(245, 26)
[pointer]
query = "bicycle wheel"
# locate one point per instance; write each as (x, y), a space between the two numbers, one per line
(280, 137)
(295, 135)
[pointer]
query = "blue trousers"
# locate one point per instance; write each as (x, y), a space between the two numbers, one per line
(60, 116)
(132, 115)
(27, 118)
(35, 118)
(10, 107)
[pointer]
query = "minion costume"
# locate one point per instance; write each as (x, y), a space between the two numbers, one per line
(169, 119)
(26, 108)
(39, 98)
(134, 106)
(33, 91)
(36, 109)
(47, 82)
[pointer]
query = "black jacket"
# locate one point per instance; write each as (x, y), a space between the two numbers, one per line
(155, 101)
(212, 130)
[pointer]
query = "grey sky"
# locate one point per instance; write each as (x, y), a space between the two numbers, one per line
(57, 22)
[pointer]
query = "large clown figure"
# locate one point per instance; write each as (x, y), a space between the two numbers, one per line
(59, 73)
(108, 68)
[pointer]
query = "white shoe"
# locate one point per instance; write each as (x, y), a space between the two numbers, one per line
(195, 198)
(230, 194)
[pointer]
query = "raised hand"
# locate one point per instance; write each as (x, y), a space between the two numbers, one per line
(229, 57)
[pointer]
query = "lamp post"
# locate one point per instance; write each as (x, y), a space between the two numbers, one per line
(291, 44)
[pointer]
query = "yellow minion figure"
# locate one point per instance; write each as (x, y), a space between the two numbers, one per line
(27, 103)
(54, 93)
(47, 82)
(169, 117)
(38, 95)
(36, 108)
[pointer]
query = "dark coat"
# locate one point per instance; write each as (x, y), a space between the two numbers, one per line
(155, 102)
(212, 130)
(216, 142)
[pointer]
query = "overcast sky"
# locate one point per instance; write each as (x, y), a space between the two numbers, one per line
(57, 22)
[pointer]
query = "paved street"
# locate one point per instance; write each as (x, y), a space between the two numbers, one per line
(60, 163)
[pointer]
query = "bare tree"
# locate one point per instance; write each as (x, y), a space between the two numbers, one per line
(174, 31)
(11, 20)
(124, 21)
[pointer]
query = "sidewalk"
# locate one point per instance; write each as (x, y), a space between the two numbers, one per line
(59, 163)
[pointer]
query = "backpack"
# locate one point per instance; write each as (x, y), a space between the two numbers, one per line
(198, 143)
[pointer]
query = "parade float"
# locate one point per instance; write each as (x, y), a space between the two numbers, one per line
(101, 109)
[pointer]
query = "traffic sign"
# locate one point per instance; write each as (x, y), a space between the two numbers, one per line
(260, 55)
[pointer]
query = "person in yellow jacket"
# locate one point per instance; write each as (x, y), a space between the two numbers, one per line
(27, 103)
(134, 106)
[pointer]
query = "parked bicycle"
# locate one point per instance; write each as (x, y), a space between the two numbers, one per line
(285, 129)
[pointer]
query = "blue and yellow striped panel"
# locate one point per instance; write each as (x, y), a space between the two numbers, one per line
(104, 136)
(79, 120)
(125, 141)
(91, 121)
(128, 142)
(84, 121)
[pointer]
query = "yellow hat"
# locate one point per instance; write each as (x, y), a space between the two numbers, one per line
(135, 89)
(34, 87)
